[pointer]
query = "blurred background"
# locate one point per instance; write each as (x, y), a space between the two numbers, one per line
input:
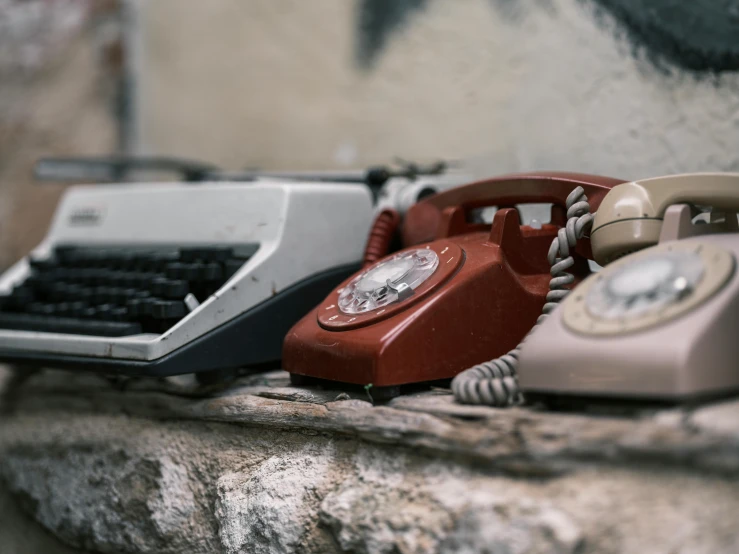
(619, 87)
(625, 88)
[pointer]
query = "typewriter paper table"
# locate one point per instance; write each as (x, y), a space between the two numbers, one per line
(265, 467)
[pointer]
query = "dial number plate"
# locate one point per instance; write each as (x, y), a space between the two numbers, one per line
(648, 288)
(339, 312)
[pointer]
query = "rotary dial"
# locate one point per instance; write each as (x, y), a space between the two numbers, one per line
(648, 288)
(388, 281)
(645, 285)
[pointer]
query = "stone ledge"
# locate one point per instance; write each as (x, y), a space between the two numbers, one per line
(514, 440)
(260, 466)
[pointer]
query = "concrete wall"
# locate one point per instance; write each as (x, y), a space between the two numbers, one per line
(531, 84)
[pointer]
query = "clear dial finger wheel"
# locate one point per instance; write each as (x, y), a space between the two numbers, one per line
(646, 285)
(388, 281)
(648, 288)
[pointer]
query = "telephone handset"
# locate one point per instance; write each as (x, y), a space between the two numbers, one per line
(630, 217)
(458, 293)
(659, 321)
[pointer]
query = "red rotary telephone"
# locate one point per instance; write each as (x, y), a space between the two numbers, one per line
(459, 293)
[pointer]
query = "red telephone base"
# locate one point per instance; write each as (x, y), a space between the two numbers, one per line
(458, 318)
(485, 295)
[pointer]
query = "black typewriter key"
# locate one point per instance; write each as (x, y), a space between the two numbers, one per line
(118, 313)
(123, 294)
(73, 291)
(246, 251)
(134, 308)
(63, 250)
(146, 279)
(101, 277)
(175, 270)
(66, 325)
(97, 259)
(45, 281)
(85, 276)
(77, 308)
(22, 295)
(158, 285)
(85, 294)
(197, 267)
(57, 291)
(61, 273)
(119, 295)
(219, 254)
(89, 312)
(83, 261)
(190, 271)
(231, 267)
(124, 259)
(46, 309)
(190, 254)
(113, 295)
(67, 256)
(98, 295)
(62, 309)
(128, 280)
(175, 289)
(150, 279)
(156, 261)
(114, 279)
(41, 264)
(71, 274)
(33, 282)
(127, 294)
(161, 259)
(91, 276)
(147, 263)
(35, 308)
(211, 271)
(104, 310)
(146, 307)
(134, 280)
(168, 309)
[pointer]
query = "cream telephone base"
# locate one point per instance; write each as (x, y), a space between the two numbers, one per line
(660, 324)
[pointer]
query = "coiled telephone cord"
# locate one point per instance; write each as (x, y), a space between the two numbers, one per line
(495, 383)
(381, 235)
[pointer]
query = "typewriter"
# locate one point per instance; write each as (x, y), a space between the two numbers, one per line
(196, 276)
(170, 278)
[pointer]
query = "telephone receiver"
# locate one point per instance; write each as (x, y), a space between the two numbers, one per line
(630, 217)
(449, 212)
(457, 293)
(659, 321)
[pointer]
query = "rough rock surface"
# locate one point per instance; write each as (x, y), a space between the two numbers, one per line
(262, 467)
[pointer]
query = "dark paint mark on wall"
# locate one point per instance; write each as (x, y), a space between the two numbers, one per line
(377, 20)
(695, 35)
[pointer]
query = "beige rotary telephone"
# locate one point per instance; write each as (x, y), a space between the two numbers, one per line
(659, 322)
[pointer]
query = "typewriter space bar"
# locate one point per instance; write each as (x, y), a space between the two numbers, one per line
(67, 325)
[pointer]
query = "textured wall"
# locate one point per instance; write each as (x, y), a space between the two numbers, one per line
(610, 87)
(55, 100)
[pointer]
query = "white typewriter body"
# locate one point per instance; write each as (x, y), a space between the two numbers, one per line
(302, 229)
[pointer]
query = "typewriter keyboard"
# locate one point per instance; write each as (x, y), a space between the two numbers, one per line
(119, 291)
